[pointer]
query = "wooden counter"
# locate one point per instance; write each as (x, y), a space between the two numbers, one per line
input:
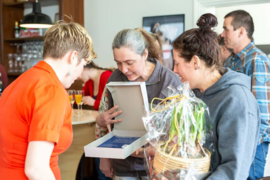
(83, 134)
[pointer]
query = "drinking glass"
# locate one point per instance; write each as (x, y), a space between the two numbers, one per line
(15, 65)
(71, 98)
(10, 62)
(24, 48)
(78, 98)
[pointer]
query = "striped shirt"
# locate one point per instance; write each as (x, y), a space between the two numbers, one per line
(254, 63)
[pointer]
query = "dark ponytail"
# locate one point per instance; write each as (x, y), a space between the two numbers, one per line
(202, 42)
(207, 21)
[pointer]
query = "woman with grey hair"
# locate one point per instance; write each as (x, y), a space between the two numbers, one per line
(135, 53)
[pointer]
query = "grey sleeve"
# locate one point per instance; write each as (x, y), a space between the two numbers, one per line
(169, 78)
(173, 78)
(237, 136)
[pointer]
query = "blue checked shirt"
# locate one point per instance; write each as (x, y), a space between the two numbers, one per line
(254, 63)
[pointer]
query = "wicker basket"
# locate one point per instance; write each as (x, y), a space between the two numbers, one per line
(164, 162)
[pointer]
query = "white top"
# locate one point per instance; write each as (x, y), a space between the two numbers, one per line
(88, 116)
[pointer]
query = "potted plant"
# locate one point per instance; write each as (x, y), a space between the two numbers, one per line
(178, 130)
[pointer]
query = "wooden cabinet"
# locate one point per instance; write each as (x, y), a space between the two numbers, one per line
(13, 10)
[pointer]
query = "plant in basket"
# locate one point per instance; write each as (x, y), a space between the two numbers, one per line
(178, 129)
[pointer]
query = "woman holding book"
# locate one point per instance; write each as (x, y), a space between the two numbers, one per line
(135, 53)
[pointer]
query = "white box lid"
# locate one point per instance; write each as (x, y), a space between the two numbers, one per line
(133, 101)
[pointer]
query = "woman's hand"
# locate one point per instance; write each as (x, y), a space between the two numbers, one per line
(106, 119)
(88, 100)
(149, 152)
(138, 153)
(105, 167)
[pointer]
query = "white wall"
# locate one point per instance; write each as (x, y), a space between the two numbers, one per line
(104, 18)
(199, 9)
(261, 18)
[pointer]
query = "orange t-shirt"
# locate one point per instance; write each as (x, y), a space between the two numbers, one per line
(35, 107)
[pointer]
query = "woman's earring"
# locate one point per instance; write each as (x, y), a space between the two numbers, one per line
(69, 73)
(198, 67)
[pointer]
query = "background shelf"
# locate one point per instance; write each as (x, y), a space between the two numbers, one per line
(14, 73)
(24, 39)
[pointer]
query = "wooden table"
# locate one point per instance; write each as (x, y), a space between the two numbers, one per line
(83, 134)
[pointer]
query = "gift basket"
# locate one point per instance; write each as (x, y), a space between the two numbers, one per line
(180, 134)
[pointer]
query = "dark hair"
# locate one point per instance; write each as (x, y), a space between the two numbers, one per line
(202, 42)
(221, 41)
(92, 65)
(137, 40)
(242, 18)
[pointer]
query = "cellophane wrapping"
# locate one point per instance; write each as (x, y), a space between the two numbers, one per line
(180, 136)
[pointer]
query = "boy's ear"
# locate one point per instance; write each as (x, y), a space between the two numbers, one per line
(73, 58)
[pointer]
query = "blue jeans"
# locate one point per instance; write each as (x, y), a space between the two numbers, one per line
(257, 167)
(101, 176)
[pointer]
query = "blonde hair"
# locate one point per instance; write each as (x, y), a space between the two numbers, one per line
(63, 37)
